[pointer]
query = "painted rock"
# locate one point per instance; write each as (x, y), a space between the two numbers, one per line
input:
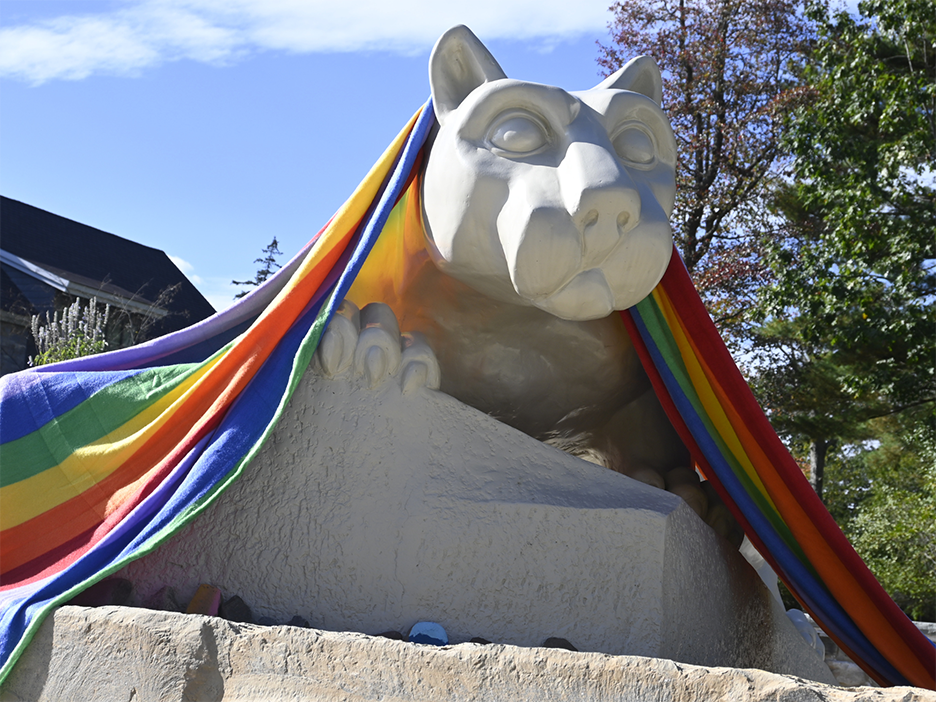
(428, 633)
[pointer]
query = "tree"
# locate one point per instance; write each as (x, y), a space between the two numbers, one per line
(863, 148)
(843, 356)
(800, 378)
(268, 266)
(883, 494)
(729, 70)
(848, 317)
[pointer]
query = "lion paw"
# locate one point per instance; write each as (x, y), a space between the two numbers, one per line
(368, 342)
(698, 494)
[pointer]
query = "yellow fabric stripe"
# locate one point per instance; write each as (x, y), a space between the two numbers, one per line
(397, 256)
(703, 388)
(92, 463)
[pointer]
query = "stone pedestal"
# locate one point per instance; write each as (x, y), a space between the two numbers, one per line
(118, 653)
(371, 510)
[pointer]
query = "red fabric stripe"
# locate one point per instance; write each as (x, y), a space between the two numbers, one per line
(47, 564)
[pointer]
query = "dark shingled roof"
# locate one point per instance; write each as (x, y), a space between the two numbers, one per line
(100, 260)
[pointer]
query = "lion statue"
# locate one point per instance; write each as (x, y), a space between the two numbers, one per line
(378, 502)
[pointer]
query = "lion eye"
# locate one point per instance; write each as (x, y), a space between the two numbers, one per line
(633, 144)
(518, 134)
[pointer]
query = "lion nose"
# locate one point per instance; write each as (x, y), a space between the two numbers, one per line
(600, 196)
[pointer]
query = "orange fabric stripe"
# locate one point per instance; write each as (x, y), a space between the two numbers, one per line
(29, 540)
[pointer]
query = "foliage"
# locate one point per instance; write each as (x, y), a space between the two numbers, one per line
(896, 537)
(883, 494)
(861, 275)
(268, 266)
(75, 332)
(729, 71)
(800, 385)
(802, 380)
(901, 458)
(843, 355)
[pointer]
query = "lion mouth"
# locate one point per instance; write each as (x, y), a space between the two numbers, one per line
(587, 296)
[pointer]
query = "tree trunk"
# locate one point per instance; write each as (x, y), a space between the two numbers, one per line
(817, 455)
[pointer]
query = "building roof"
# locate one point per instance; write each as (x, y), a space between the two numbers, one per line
(43, 253)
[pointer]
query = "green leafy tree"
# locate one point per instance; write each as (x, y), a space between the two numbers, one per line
(843, 357)
(896, 538)
(849, 314)
(76, 331)
(802, 378)
(268, 266)
(883, 494)
(864, 281)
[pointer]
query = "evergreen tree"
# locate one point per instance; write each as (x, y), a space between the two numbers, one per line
(268, 266)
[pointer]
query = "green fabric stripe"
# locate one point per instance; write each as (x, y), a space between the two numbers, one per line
(300, 364)
(105, 411)
(658, 327)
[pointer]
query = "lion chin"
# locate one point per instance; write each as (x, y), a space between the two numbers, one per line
(586, 296)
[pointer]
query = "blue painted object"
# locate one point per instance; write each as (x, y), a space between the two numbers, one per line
(428, 633)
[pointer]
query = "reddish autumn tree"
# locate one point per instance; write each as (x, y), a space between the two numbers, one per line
(729, 74)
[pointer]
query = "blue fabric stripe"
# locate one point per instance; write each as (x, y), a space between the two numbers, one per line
(61, 391)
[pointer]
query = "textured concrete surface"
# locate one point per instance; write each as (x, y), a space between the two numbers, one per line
(370, 510)
(117, 653)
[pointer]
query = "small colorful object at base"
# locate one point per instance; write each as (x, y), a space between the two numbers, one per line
(428, 633)
(207, 600)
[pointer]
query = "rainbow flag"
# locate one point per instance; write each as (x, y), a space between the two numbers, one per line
(104, 458)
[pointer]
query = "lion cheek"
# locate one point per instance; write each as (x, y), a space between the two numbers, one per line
(542, 247)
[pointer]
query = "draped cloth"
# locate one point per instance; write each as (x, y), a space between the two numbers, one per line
(104, 458)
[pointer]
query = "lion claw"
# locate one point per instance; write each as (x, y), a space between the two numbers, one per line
(336, 349)
(369, 342)
(419, 363)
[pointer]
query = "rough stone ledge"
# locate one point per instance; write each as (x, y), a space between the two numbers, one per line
(118, 653)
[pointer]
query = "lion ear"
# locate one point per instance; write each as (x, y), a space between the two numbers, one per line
(459, 63)
(639, 75)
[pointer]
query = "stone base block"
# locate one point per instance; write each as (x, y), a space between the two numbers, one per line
(118, 653)
(370, 510)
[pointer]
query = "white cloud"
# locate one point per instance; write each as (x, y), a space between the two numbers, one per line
(187, 268)
(181, 264)
(145, 33)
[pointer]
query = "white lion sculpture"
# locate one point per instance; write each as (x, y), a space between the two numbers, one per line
(545, 212)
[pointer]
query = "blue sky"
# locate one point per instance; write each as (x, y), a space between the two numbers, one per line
(207, 127)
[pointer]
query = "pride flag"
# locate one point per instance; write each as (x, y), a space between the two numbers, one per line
(104, 458)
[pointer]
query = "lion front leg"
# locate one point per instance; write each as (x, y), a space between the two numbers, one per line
(368, 343)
